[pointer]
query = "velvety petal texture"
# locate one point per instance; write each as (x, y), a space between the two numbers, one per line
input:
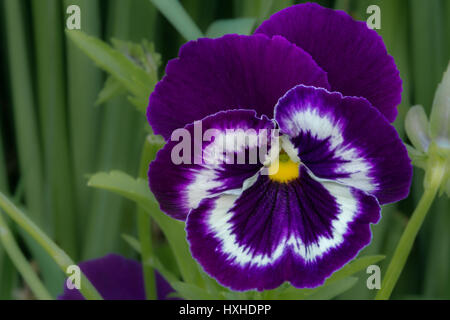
(353, 55)
(274, 232)
(256, 218)
(117, 278)
(347, 140)
(224, 150)
(232, 72)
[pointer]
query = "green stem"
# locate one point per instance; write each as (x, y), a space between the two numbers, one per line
(144, 224)
(21, 263)
(435, 175)
(144, 230)
(58, 255)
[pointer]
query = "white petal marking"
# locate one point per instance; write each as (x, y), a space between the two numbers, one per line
(221, 227)
(325, 126)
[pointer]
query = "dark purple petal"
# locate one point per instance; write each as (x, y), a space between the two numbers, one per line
(232, 72)
(299, 232)
(353, 55)
(179, 187)
(117, 278)
(347, 140)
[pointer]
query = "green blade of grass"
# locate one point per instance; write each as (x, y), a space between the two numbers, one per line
(427, 41)
(58, 255)
(342, 5)
(27, 134)
(251, 8)
(178, 17)
(23, 102)
(48, 33)
(429, 61)
(202, 12)
(84, 82)
(260, 9)
(437, 279)
(7, 271)
(225, 26)
(120, 141)
(21, 263)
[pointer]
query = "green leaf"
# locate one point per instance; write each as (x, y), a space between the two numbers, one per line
(292, 293)
(324, 292)
(333, 290)
(354, 267)
(135, 69)
(332, 284)
(178, 17)
(111, 89)
(239, 25)
(234, 295)
(138, 191)
(143, 54)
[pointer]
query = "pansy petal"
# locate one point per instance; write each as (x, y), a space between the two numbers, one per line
(273, 232)
(347, 140)
(353, 55)
(232, 72)
(223, 161)
(117, 278)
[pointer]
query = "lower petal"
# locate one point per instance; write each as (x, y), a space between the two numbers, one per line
(273, 232)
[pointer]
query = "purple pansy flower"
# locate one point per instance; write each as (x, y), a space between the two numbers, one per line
(117, 278)
(329, 86)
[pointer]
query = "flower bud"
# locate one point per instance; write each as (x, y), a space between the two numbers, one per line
(440, 113)
(416, 125)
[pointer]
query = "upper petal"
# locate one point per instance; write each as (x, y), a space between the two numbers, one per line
(273, 232)
(353, 55)
(347, 140)
(232, 72)
(220, 162)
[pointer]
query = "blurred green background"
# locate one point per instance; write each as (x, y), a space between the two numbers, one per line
(52, 135)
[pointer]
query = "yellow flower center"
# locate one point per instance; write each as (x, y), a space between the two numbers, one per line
(284, 169)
